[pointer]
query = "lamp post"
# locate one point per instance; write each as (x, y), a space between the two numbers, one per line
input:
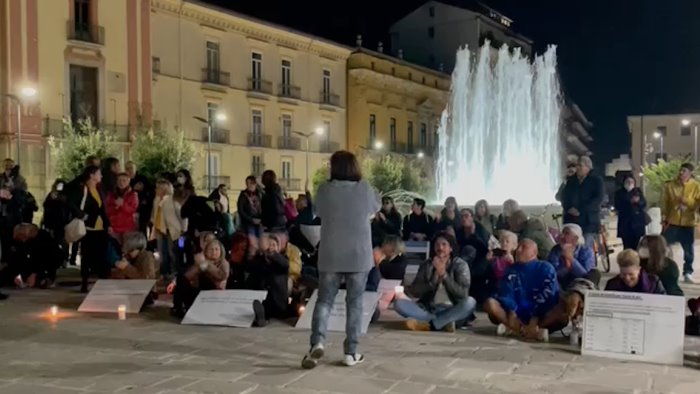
(219, 117)
(319, 131)
(25, 92)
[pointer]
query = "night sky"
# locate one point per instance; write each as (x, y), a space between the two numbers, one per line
(616, 57)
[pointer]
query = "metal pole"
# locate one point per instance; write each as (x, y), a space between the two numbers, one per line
(19, 129)
(307, 158)
(209, 157)
(695, 146)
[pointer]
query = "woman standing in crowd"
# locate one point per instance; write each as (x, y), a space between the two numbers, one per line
(509, 207)
(250, 212)
(184, 181)
(122, 203)
(345, 205)
(273, 217)
(631, 218)
(632, 278)
(220, 195)
(653, 254)
(168, 226)
(449, 216)
(57, 214)
(386, 222)
(89, 201)
(484, 216)
(110, 170)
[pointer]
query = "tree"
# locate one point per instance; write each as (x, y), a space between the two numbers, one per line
(76, 143)
(657, 174)
(321, 175)
(156, 152)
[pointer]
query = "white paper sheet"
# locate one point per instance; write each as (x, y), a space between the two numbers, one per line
(107, 294)
(336, 322)
(232, 308)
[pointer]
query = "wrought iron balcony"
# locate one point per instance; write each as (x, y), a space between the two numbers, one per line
(260, 140)
(259, 85)
(290, 143)
(328, 147)
(215, 77)
(86, 32)
(286, 90)
(218, 135)
(290, 184)
(211, 182)
(329, 98)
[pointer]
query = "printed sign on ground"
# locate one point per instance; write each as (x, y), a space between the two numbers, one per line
(634, 326)
(336, 322)
(107, 294)
(232, 308)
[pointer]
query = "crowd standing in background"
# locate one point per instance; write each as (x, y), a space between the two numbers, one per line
(529, 281)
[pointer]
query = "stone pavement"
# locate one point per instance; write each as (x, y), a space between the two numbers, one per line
(152, 354)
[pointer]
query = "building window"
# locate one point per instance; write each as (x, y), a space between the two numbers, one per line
(84, 93)
(409, 136)
(286, 169)
(256, 127)
(392, 133)
(155, 64)
(212, 109)
(327, 130)
(215, 165)
(685, 130)
(431, 32)
(326, 86)
(256, 76)
(81, 16)
(286, 77)
(257, 165)
(662, 130)
(431, 12)
(213, 57)
(286, 127)
(423, 135)
(372, 130)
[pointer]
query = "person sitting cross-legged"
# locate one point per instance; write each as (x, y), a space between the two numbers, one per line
(442, 289)
(572, 258)
(269, 270)
(632, 277)
(527, 296)
(137, 262)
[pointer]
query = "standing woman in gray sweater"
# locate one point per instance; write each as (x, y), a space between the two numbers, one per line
(345, 205)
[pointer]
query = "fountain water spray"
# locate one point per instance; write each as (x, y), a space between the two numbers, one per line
(499, 135)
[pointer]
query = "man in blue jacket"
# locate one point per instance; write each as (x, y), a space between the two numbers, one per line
(527, 295)
(581, 199)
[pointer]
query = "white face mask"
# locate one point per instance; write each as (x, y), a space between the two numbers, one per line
(629, 186)
(643, 252)
(181, 180)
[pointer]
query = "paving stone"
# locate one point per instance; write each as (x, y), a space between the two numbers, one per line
(25, 388)
(345, 383)
(274, 376)
(514, 383)
(218, 386)
(411, 388)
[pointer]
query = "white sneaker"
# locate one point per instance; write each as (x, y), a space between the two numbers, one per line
(353, 359)
(503, 331)
(543, 335)
(311, 360)
(688, 278)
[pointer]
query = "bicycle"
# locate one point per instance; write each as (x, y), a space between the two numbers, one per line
(601, 249)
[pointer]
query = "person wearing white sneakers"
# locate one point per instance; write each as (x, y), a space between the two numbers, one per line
(679, 205)
(527, 296)
(345, 205)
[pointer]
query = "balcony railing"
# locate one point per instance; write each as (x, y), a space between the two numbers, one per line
(290, 184)
(257, 170)
(329, 98)
(259, 85)
(397, 147)
(328, 147)
(211, 182)
(286, 90)
(52, 127)
(259, 139)
(291, 143)
(86, 32)
(215, 77)
(218, 135)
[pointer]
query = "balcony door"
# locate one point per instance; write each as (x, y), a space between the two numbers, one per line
(83, 93)
(256, 129)
(213, 61)
(256, 75)
(286, 77)
(81, 18)
(326, 86)
(286, 127)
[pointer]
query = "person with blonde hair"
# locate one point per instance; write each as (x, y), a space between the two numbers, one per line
(210, 271)
(632, 278)
(653, 253)
(390, 263)
(168, 226)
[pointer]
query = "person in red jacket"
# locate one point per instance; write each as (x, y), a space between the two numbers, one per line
(121, 207)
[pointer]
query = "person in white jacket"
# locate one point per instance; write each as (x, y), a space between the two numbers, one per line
(168, 226)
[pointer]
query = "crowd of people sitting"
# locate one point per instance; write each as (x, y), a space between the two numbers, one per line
(527, 281)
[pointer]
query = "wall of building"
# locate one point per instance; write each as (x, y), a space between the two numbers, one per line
(180, 48)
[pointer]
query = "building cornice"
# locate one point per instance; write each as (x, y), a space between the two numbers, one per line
(229, 21)
(365, 76)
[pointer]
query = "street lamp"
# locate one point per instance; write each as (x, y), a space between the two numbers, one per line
(319, 131)
(421, 155)
(378, 145)
(219, 117)
(686, 123)
(26, 92)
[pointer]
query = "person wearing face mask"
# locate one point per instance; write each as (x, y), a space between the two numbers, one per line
(184, 180)
(679, 205)
(632, 277)
(653, 252)
(631, 218)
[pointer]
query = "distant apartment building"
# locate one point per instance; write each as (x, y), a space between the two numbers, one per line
(160, 63)
(575, 132)
(393, 105)
(663, 136)
(431, 34)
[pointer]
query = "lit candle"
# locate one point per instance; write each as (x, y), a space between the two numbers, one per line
(54, 311)
(121, 312)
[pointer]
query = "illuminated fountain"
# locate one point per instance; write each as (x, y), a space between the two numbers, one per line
(499, 135)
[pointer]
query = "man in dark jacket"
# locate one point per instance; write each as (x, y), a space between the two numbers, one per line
(418, 225)
(581, 199)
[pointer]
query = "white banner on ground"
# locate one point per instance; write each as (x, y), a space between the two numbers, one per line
(386, 290)
(336, 321)
(108, 294)
(231, 308)
(634, 326)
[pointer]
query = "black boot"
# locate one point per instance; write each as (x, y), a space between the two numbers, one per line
(259, 310)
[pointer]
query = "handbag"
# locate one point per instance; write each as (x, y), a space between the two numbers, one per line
(75, 229)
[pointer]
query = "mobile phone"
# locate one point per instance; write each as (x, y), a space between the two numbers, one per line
(181, 242)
